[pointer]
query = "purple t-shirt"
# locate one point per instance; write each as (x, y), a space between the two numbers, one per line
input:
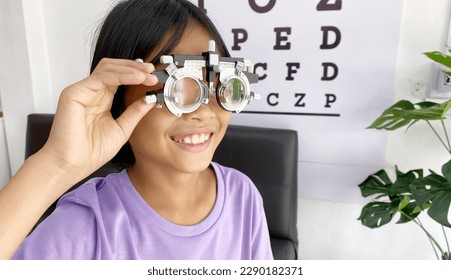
(106, 218)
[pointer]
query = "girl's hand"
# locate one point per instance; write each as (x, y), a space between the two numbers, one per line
(84, 135)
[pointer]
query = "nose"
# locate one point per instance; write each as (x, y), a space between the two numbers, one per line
(204, 112)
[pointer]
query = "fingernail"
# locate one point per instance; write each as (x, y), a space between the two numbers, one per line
(150, 99)
(139, 60)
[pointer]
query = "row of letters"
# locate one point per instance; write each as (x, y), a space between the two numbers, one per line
(300, 100)
(323, 5)
(331, 38)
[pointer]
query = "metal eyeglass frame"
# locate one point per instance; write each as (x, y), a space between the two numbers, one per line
(233, 72)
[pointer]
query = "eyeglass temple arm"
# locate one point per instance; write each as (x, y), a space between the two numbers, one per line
(162, 76)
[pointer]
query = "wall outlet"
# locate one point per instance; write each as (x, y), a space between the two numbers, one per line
(419, 88)
(440, 83)
(444, 82)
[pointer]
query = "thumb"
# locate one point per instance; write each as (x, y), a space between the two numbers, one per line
(133, 115)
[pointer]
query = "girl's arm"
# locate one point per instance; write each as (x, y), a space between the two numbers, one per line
(84, 136)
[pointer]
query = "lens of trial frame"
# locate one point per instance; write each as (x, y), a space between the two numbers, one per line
(186, 92)
(232, 93)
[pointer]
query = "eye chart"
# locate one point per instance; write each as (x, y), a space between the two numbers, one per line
(327, 70)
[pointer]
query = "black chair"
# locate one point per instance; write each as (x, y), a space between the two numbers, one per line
(268, 156)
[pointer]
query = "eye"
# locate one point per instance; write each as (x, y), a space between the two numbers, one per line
(186, 92)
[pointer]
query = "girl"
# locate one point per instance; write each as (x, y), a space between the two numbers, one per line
(173, 202)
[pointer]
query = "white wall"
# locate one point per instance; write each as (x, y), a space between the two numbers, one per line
(15, 78)
(327, 230)
(5, 172)
(44, 46)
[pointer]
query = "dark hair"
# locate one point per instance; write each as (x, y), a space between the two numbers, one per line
(134, 28)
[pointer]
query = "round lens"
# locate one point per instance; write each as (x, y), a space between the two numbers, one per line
(232, 93)
(186, 92)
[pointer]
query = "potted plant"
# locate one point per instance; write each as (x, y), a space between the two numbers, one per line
(412, 192)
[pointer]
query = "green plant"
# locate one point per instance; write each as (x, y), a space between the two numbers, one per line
(412, 192)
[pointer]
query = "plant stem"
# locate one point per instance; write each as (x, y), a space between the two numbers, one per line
(433, 241)
(446, 134)
(438, 136)
(433, 247)
(446, 238)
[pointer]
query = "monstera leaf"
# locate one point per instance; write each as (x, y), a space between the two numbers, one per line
(377, 214)
(409, 210)
(397, 198)
(434, 192)
(406, 113)
(411, 192)
(380, 183)
(441, 58)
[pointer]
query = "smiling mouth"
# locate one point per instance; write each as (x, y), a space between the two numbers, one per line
(193, 139)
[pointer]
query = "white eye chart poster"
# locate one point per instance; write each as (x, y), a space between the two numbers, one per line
(327, 70)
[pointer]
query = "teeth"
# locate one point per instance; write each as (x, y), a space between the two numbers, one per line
(194, 139)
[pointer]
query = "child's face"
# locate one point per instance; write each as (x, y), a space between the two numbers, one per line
(185, 143)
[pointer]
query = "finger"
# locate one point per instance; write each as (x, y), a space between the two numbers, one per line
(133, 115)
(150, 80)
(113, 76)
(136, 64)
(140, 72)
(145, 66)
